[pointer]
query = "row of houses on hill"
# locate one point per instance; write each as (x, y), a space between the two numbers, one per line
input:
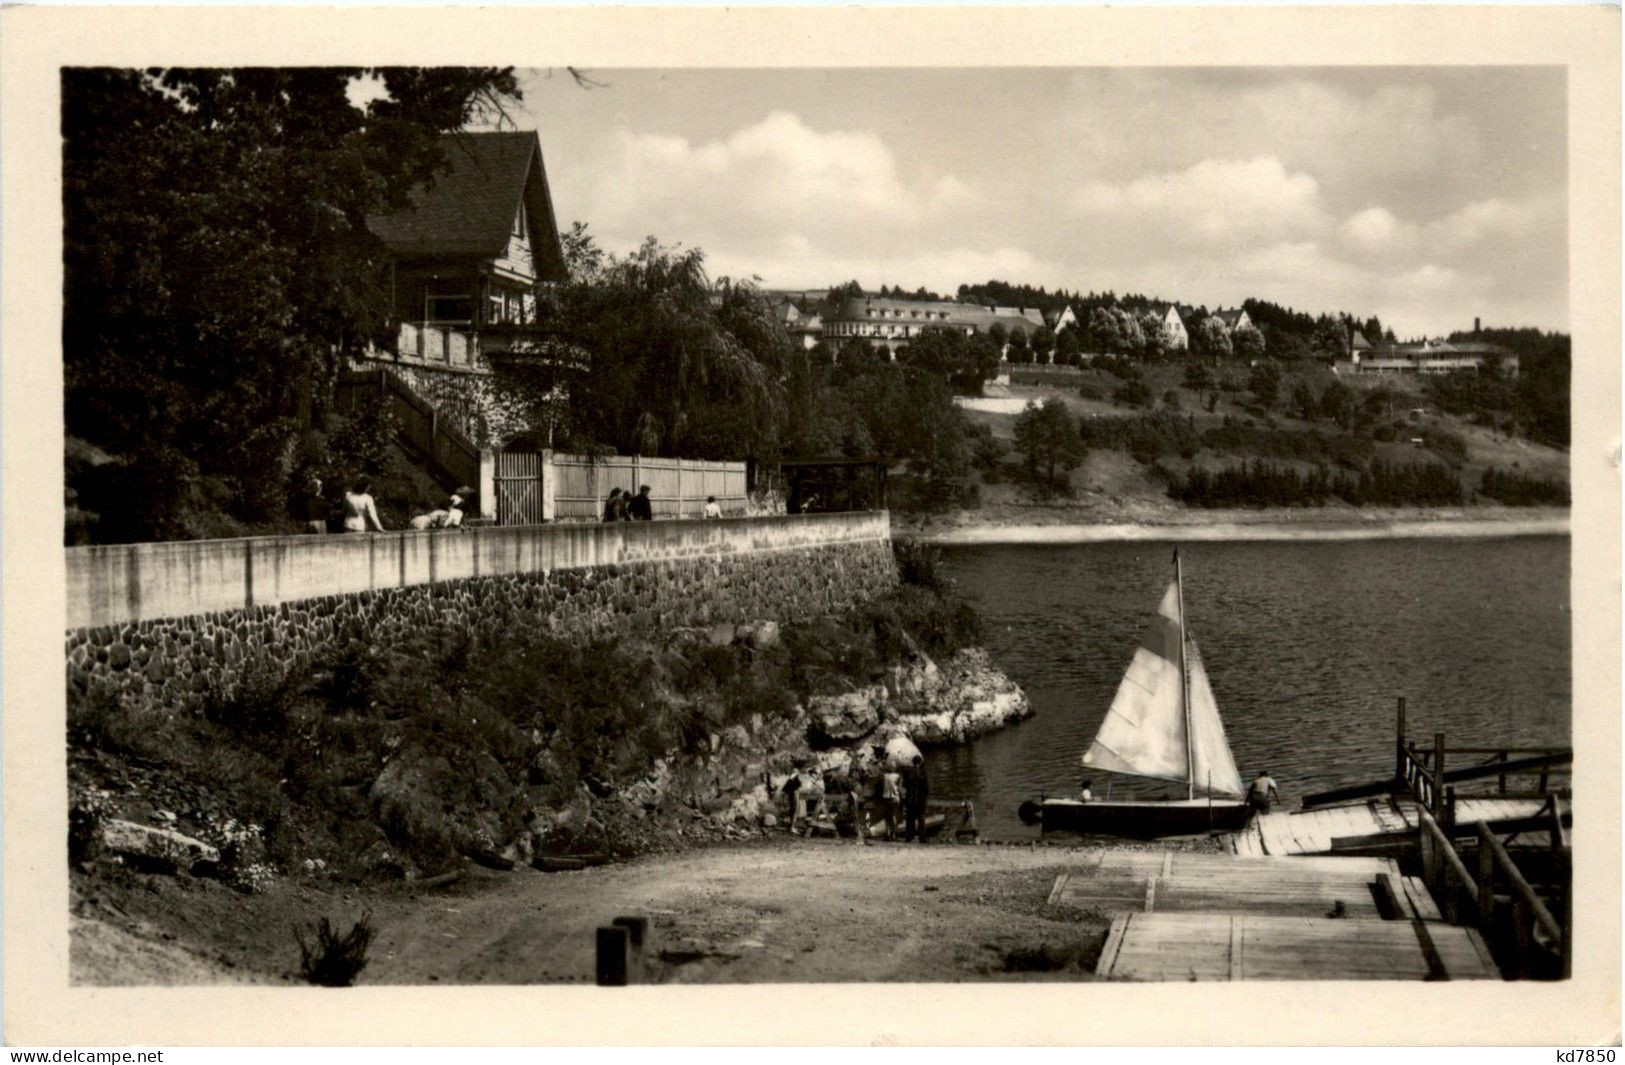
(1424, 357)
(888, 323)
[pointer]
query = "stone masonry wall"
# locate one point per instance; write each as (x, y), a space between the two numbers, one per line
(170, 662)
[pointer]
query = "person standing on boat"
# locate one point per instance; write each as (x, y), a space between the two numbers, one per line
(1261, 791)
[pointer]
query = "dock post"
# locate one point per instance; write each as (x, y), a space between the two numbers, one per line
(614, 948)
(1399, 746)
(1438, 776)
(637, 933)
(1523, 919)
(1486, 878)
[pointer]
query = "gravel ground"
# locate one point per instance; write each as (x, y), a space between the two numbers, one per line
(777, 910)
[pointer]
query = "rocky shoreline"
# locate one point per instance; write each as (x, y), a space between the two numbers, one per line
(731, 789)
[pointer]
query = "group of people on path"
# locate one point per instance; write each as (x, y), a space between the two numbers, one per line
(624, 506)
(891, 792)
(358, 511)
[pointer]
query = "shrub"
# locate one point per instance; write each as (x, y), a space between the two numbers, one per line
(334, 960)
(258, 704)
(917, 563)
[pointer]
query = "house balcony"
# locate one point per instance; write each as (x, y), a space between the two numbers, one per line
(452, 345)
(457, 347)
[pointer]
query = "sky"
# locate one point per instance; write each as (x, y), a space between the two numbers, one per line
(1427, 196)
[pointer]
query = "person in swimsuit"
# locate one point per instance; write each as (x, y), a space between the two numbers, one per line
(359, 509)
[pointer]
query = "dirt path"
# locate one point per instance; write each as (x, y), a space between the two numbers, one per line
(782, 910)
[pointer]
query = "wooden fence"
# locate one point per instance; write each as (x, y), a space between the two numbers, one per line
(527, 488)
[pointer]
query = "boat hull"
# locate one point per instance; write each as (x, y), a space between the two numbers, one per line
(1147, 819)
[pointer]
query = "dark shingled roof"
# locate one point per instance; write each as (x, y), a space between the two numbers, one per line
(469, 211)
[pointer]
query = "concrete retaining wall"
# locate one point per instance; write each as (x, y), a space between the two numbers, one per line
(163, 622)
(139, 582)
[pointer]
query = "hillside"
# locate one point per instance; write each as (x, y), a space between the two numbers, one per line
(1146, 433)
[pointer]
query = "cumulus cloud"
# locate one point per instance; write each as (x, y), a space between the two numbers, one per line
(1376, 138)
(775, 175)
(1376, 233)
(1215, 201)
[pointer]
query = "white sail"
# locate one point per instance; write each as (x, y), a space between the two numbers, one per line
(1215, 768)
(1144, 730)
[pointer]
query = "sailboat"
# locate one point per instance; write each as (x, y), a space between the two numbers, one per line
(1163, 724)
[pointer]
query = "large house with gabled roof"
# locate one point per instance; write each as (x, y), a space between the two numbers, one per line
(471, 250)
(1174, 335)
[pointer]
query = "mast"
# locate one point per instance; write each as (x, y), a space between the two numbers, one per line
(1185, 684)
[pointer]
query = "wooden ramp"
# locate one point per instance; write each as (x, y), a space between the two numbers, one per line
(1216, 946)
(1370, 823)
(1180, 881)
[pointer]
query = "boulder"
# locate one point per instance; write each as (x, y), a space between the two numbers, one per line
(158, 848)
(842, 719)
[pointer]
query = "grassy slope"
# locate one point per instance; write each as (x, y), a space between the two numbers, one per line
(1112, 483)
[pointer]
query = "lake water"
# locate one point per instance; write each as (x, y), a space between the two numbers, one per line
(1308, 645)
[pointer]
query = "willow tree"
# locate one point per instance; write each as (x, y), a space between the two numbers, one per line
(676, 363)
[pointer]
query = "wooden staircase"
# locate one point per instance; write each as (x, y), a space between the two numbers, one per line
(434, 440)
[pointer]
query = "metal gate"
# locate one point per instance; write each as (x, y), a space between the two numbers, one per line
(519, 487)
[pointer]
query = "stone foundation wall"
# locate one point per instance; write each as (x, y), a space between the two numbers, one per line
(667, 575)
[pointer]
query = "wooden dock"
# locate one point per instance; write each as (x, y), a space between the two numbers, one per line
(1116, 881)
(1219, 946)
(1184, 915)
(1374, 823)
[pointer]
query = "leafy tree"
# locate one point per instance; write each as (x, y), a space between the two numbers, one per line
(1331, 340)
(1265, 383)
(999, 335)
(1154, 335)
(1338, 403)
(1198, 377)
(964, 362)
(1103, 332)
(1210, 339)
(1020, 351)
(1047, 437)
(1042, 343)
(678, 363)
(1305, 403)
(1066, 347)
(218, 268)
(1247, 344)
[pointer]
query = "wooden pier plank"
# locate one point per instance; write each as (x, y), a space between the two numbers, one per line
(1181, 946)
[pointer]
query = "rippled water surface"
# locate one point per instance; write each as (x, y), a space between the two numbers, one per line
(1308, 645)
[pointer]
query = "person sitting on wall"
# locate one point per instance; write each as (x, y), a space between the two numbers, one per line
(713, 509)
(448, 517)
(612, 505)
(641, 509)
(359, 508)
